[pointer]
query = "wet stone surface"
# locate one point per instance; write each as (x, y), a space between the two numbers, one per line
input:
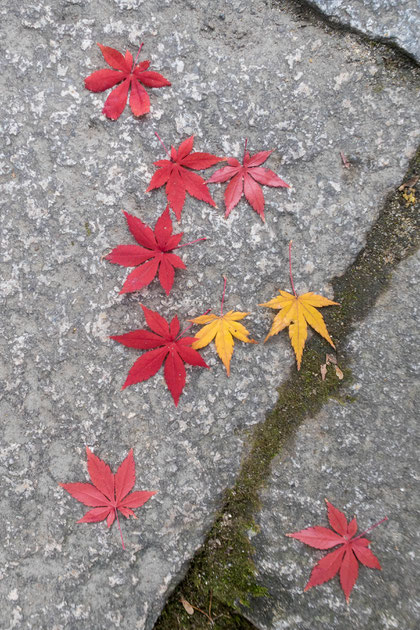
(363, 457)
(237, 71)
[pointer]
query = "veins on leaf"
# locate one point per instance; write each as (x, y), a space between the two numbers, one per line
(165, 347)
(247, 179)
(177, 174)
(108, 493)
(152, 256)
(345, 560)
(125, 78)
(296, 312)
(222, 329)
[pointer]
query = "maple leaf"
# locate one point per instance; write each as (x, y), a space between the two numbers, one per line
(165, 345)
(296, 312)
(221, 328)
(179, 179)
(132, 77)
(153, 253)
(246, 179)
(344, 559)
(108, 494)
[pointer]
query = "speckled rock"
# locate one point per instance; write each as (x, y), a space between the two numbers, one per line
(237, 70)
(394, 21)
(363, 457)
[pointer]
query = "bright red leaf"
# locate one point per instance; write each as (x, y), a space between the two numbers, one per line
(108, 493)
(345, 559)
(245, 179)
(151, 255)
(130, 76)
(165, 345)
(178, 177)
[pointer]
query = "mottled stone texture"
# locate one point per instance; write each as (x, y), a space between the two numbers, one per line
(238, 70)
(394, 21)
(363, 457)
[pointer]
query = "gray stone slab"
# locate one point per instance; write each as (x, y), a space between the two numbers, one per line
(363, 457)
(237, 71)
(394, 21)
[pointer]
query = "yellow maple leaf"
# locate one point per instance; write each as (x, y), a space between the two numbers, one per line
(221, 328)
(296, 311)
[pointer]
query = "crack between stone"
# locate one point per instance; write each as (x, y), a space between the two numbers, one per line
(315, 14)
(224, 566)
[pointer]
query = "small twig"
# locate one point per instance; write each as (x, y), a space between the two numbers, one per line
(211, 599)
(162, 143)
(203, 613)
(369, 528)
(290, 268)
(345, 161)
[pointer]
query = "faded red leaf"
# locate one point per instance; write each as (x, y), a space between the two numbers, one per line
(151, 256)
(343, 560)
(175, 173)
(245, 179)
(130, 77)
(165, 346)
(108, 494)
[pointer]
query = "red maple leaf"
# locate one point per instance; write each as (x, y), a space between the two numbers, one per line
(179, 179)
(132, 76)
(153, 253)
(165, 345)
(245, 179)
(108, 493)
(345, 558)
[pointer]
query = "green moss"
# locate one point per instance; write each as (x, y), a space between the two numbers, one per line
(87, 228)
(223, 570)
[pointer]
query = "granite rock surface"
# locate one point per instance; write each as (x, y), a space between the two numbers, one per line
(362, 456)
(393, 21)
(237, 71)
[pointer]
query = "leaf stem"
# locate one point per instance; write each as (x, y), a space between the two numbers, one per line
(223, 295)
(192, 242)
(137, 56)
(119, 527)
(369, 528)
(290, 268)
(162, 143)
(191, 325)
(246, 142)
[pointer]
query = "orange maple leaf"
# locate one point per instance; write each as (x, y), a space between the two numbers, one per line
(221, 328)
(297, 312)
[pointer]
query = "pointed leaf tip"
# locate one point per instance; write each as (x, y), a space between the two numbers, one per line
(344, 559)
(92, 495)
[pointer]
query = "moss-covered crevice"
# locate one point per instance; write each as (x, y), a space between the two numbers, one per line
(223, 571)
